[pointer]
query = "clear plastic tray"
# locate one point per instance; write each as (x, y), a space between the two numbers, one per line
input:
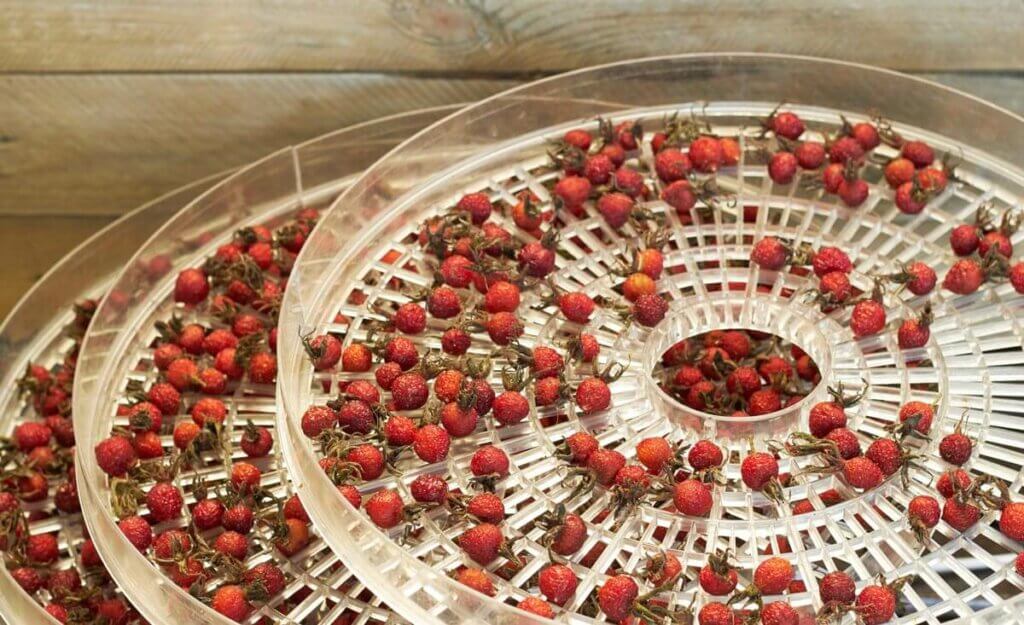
(116, 347)
(33, 332)
(974, 351)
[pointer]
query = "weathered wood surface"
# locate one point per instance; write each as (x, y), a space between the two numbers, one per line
(107, 104)
(84, 149)
(103, 144)
(30, 245)
(489, 35)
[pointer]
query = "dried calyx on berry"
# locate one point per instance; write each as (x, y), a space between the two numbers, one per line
(515, 377)
(915, 423)
(651, 241)
(681, 131)
(774, 254)
(839, 396)
(619, 598)
(985, 491)
(564, 532)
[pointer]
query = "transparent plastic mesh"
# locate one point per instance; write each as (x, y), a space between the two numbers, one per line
(970, 366)
(117, 356)
(36, 332)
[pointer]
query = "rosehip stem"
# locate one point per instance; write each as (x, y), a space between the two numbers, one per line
(804, 444)
(719, 562)
(586, 483)
(507, 551)
(906, 464)
(749, 594)
(486, 482)
(515, 378)
(839, 396)
(773, 490)
(989, 492)
(832, 612)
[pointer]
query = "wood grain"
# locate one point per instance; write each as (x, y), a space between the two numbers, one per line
(494, 35)
(30, 245)
(77, 150)
(103, 144)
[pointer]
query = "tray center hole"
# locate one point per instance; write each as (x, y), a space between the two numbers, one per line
(736, 372)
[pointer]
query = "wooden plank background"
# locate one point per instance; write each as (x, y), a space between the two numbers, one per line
(489, 35)
(105, 104)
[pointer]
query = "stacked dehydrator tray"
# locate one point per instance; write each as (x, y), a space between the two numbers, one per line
(711, 338)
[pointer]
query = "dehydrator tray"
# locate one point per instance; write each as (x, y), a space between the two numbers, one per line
(43, 330)
(375, 264)
(262, 213)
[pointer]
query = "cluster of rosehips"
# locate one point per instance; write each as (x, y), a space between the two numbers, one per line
(492, 259)
(621, 600)
(609, 170)
(774, 576)
(984, 247)
(484, 273)
(839, 448)
(832, 267)
(38, 461)
(620, 596)
(965, 498)
(913, 175)
(985, 251)
(417, 378)
(683, 476)
(198, 365)
(736, 373)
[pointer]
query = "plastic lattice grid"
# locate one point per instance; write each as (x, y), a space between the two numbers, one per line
(117, 360)
(320, 589)
(970, 368)
(45, 330)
